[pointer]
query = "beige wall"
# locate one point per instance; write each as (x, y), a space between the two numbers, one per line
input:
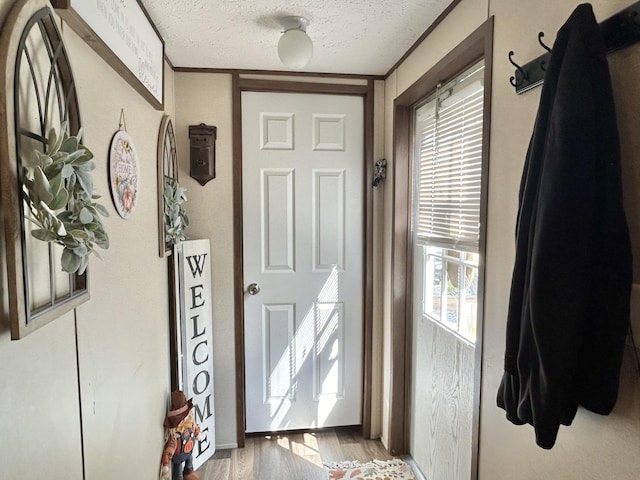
(595, 446)
(206, 98)
(121, 375)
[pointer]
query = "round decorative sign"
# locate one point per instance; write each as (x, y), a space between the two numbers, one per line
(124, 173)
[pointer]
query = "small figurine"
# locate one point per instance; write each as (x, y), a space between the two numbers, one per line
(183, 432)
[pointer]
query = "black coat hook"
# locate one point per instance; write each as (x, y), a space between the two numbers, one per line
(619, 31)
(540, 35)
(543, 63)
(517, 80)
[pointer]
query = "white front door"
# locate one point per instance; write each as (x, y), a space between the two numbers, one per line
(303, 273)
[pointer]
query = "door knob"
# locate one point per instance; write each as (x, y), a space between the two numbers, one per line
(253, 289)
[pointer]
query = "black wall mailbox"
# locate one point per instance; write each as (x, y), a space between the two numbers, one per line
(202, 165)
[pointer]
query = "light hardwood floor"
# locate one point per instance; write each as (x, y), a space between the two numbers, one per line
(291, 455)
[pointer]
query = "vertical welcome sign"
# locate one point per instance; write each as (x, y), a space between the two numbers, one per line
(195, 338)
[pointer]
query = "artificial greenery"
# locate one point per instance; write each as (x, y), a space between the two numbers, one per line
(175, 217)
(58, 188)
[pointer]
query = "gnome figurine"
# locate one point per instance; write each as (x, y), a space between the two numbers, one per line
(183, 432)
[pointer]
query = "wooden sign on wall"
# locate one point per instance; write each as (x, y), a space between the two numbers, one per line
(193, 266)
(122, 33)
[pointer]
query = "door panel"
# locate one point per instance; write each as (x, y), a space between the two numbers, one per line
(328, 220)
(303, 242)
(277, 336)
(277, 220)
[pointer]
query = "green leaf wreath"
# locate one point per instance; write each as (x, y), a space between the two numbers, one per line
(175, 217)
(58, 189)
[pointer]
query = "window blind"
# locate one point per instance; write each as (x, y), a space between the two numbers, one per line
(448, 139)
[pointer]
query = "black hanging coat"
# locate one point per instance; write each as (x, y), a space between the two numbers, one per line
(569, 305)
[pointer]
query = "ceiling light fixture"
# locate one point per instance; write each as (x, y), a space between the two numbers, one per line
(295, 48)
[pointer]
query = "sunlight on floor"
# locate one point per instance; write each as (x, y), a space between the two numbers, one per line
(307, 449)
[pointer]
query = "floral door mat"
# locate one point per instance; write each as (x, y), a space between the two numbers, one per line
(376, 470)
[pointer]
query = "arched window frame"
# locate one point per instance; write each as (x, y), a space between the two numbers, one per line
(167, 168)
(30, 38)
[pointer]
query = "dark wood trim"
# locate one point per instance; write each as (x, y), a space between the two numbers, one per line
(238, 267)
(241, 71)
(484, 208)
(247, 84)
(399, 280)
(368, 262)
(426, 33)
(463, 55)
(367, 92)
(477, 45)
(168, 61)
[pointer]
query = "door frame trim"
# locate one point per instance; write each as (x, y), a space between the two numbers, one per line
(238, 86)
(478, 45)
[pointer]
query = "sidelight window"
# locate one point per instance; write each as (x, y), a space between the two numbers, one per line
(447, 193)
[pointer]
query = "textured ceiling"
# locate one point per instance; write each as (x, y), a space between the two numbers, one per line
(365, 37)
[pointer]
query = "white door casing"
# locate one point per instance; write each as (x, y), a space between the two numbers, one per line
(303, 242)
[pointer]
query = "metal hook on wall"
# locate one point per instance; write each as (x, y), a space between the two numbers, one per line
(540, 35)
(123, 121)
(619, 31)
(516, 80)
(543, 63)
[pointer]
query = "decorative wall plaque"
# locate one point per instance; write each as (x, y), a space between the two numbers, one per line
(124, 173)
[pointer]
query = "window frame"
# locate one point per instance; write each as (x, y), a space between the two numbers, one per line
(35, 16)
(479, 44)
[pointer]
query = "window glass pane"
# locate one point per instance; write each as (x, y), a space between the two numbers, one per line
(469, 304)
(450, 295)
(453, 295)
(433, 282)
